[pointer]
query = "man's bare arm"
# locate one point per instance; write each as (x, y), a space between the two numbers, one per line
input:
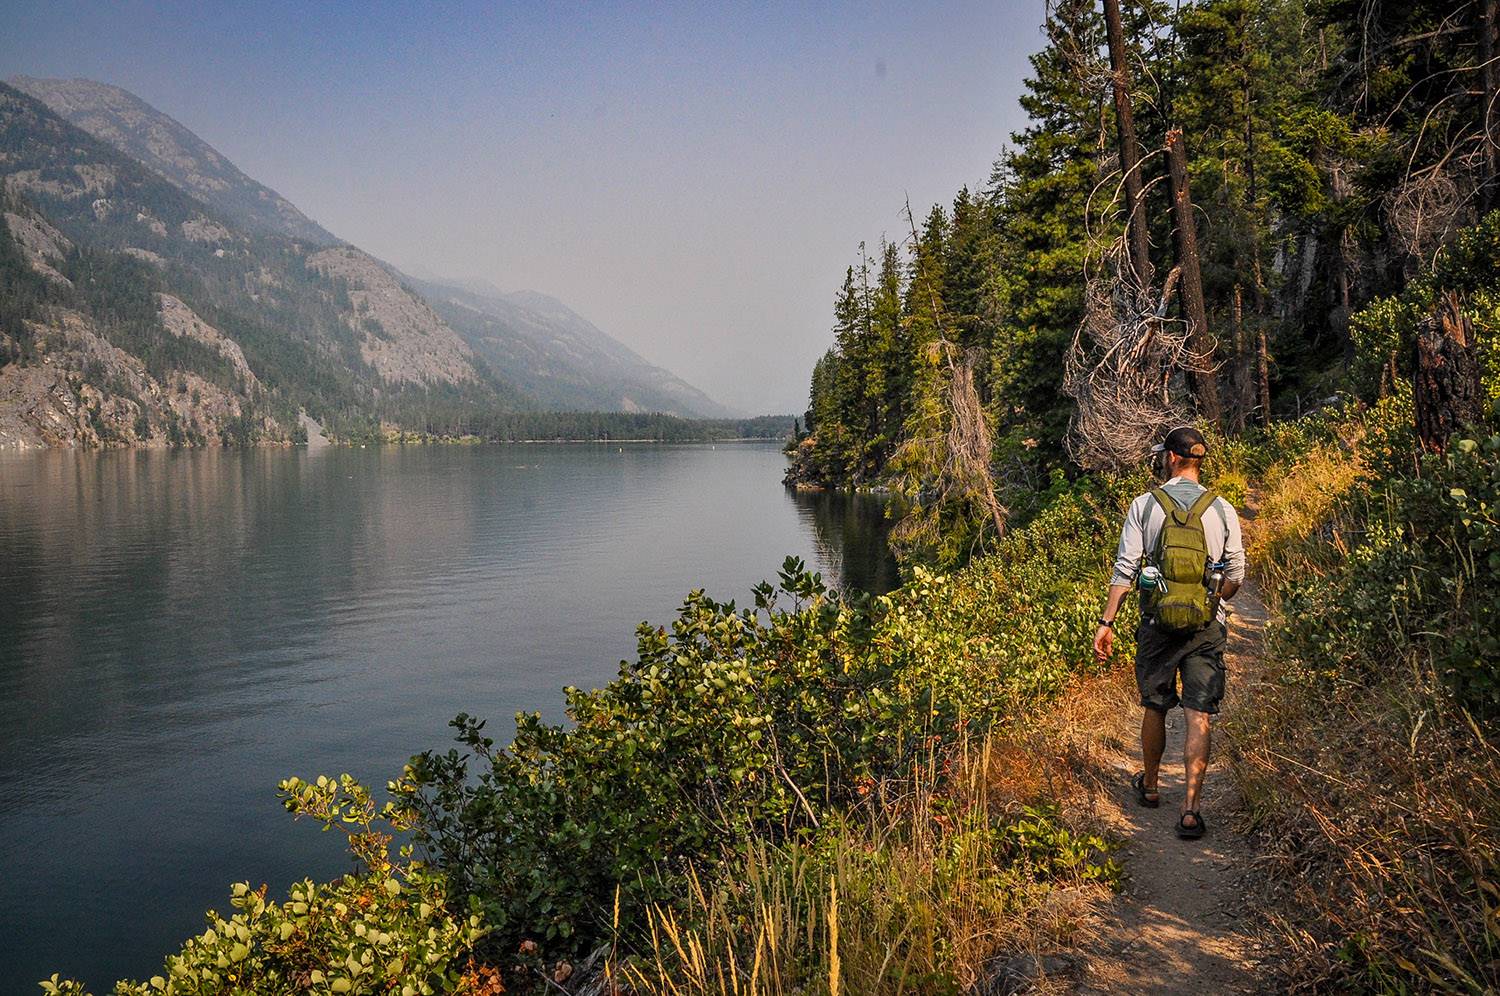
(1117, 593)
(1104, 636)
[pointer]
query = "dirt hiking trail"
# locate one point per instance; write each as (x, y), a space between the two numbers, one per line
(1181, 925)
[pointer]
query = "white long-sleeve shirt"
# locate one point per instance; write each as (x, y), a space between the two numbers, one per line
(1143, 522)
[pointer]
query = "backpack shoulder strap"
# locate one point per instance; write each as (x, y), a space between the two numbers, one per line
(1168, 505)
(1207, 498)
(1223, 516)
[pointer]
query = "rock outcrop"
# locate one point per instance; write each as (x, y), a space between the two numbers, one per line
(86, 392)
(43, 245)
(403, 339)
(180, 320)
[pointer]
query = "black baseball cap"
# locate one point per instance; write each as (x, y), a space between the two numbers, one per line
(1185, 441)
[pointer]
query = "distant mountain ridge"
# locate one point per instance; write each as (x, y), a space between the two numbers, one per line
(144, 133)
(288, 317)
(563, 360)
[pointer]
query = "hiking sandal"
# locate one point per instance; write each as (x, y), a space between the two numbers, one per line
(1198, 829)
(1143, 794)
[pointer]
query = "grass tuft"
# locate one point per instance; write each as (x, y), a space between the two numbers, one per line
(917, 892)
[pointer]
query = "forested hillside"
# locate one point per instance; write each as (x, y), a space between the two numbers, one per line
(1328, 150)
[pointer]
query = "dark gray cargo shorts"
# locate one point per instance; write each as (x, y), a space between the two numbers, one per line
(1198, 657)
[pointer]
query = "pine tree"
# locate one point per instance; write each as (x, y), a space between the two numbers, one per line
(924, 317)
(893, 353)
(1042, 186)
(830, 449)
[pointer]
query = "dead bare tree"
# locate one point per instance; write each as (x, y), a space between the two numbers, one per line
(1130, 152)
(1128, 361)
(958, 458)
(1263, 374)
(1205, 378)
(1239, 374)
(1122, 368)
(1446, 387)
(1489, 15)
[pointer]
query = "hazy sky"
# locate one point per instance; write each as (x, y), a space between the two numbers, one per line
(691, 178)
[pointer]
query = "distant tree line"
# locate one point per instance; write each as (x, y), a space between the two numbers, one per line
(443, 418)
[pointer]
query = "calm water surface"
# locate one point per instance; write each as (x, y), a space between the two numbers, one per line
(179, 631)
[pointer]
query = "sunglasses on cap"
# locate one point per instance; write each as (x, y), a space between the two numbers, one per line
(1192, 451)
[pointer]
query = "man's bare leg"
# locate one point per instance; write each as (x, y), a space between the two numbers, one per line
(1195, 756)
(1153, 743)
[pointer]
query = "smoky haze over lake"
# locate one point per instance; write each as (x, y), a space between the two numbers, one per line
(183, 629)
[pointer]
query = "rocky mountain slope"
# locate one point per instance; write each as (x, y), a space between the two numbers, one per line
(139, 130)
(133, 312)
(151, 293)
(564, 360)
(67, 384)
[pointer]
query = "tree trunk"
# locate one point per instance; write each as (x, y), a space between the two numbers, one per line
(1239, 381)
(1130, 152)
(1489, 13)
(1205, 380)
(1446, 387)
(1263, 360)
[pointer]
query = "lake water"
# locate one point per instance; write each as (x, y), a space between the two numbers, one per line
(181, 630)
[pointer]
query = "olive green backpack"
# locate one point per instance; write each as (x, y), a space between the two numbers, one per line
(1181, 602)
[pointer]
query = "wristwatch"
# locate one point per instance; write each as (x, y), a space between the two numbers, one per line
(1107, 623)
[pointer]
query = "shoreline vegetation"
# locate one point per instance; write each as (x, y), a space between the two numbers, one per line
(661, 429)
(575, 427)
(604, 441)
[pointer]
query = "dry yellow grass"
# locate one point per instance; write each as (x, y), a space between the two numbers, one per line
(916, 893)
(1380, 810)
(1377, 797)
(1296, 527)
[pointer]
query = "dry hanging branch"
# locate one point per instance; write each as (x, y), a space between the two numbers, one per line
(1423, 212)
(969, 443)
(1093, 76)
(1120, 370)
(962, 472)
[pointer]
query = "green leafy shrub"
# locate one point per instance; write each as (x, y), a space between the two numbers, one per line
(751, 723)
(1420, 578)
(1383, 331)
(385, 930)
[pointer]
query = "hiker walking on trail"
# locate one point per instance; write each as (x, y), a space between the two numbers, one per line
(1181, 548)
